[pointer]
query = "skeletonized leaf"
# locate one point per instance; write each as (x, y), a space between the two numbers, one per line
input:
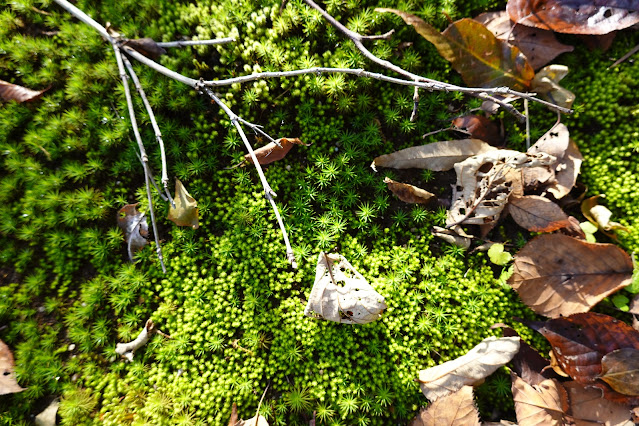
(575, 16)
(537, 214)
(133, 223)
(409, 193)
(13, 92)
(479, 363)
(546, 84)
(566, 172)
(146, 46)
(475, 53)
(599, 215)
(620, 369)
(185, 212)
(342, 294)
(271, 152)
(588, 407)
(538, 45)
(560, 275)
(436, 156)
(542, 404)
(8, 382)
(480, 127)
(456, 409)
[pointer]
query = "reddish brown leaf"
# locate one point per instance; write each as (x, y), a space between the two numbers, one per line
(146, 46)
(575, 16)
(271, 152)
(538, 45)
(542, 404)
(456, 409)
(527, 363)
(480, 127)
(409, 193)
(588, 407)
(13, 92)
(537, 214)
(620, 369)
(602, 42)
(573, 229)
(8, 382)
(559, 275)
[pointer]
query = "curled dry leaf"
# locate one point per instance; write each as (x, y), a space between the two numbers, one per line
(620, 369)
(271, 152)
(558, 275)
(542, 404)
(538, 45)
(456, 409)
(475, 53)
(588, 407)
(185, 212)
(554, 142)
(409, 193)
(472, 368)
(342, 294)
(455, 236)
(599, 215)
(13, 92)
(575, 16)
(480, 127)
(546, 84)
(146, 46)
(8, 381)
(436, 156)
(537, 214)
(566, 172)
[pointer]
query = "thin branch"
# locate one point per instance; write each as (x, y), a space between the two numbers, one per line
(128, 349)
(626, 56)
(385, 36)
(196, 42)
(413, 115)
(258, 129)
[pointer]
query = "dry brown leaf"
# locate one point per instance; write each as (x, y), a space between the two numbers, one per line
(537, 214)
(13, 92)
(480, 127)
(588, 407)
(538, 45)
(620, 369)
(8, 381)
(48, 416)
(455, 236)
(559, 275)
(271, 152)
(146, 46)
(554, 364)
(437, 156)
(602, 42)
(566, 172)
(472, 368)
(409, 193)
(185, 212)
(543, 404)
(554, 142)
(546, 84)
(456, 409)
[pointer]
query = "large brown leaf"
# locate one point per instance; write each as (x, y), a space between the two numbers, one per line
(589, 408)
(8, 382)
(475, 53)
(540, 46)
(13, 92)
(436, 156)
(537, 214)
(559, 275)
(542, 404)
(408, 193)
(575, 16)
(456, 409)
(620, 369)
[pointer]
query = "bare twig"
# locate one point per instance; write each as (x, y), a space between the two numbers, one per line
(626, 56)
(413, 115)
(128, 349)
(196, 42)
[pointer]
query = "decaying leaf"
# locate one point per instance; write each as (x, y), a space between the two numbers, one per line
(13, 92)
(527, 363)
(342, 294)
(8, 381)
(575, 16)
(48, 416)
(456, 409)
(566, 172)
(537, 214)
(560, 275)
(588, 407)
(480, 127)
(554, 142)
(475, 53)
(257, 420)
(599, 215)
(409, 193)
(455, 236)
(546, 84)
(436, 156)
(542, 404)
(620, 369)
(185, 212)
(146, 46)
(133, 223)
(472, 368)
(484, 183)
(271, 152)
(538, 45)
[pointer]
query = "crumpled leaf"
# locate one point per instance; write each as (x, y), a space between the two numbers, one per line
(475, 53)
(342, 294)
(542, 404)
(484, 183)
(620, 369)
(455, 236)
(537, 214)
(480, 127)
(560, 275)
(409, 193)
(599, 215)
(566, 172)
(472, 368)
(546, 84)
(436, 156)
(588, 407)
(456, 409)
(538, 45)
(146, 46)
(8, 381)
(13, 92)
(575, 16)
(48, 416)
(185, 212)
(133, 223)
(554, 142)
(270, 152)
